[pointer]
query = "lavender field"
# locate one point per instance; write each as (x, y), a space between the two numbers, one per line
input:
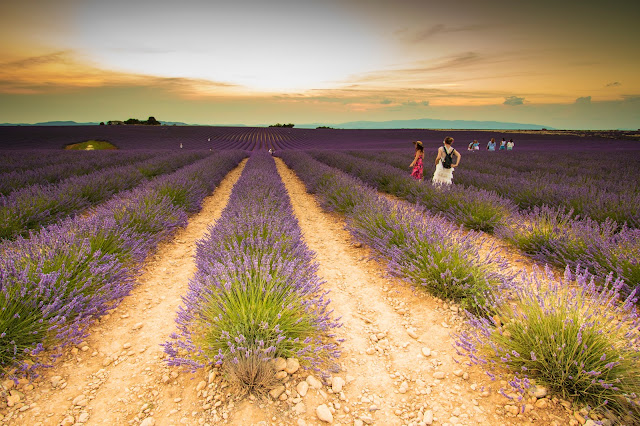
(219, 284)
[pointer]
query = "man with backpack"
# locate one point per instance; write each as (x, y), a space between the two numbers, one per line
(444, 163)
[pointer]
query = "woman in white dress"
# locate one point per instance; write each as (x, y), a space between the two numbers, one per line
(443, 175)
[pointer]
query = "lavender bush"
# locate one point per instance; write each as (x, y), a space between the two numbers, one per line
(587, 185)
(31, 159)
(422, 248)
(476, 209)
(578, 339)
(39, 205)
(255, 294)
(556, 236)
(430, 252)
(54, 284)
(75, 164)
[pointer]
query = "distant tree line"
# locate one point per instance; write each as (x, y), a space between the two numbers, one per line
(151, 121)
(324, 127)
(282, 125)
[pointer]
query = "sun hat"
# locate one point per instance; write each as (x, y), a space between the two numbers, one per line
(417, 143)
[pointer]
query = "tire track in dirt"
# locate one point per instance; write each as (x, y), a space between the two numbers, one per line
(397, 359)
(118, 376)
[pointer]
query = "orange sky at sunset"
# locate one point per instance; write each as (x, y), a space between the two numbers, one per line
(333, 61)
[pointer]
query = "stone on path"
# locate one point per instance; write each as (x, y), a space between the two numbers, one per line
(314, 383)
(277, 391)
(337, 383)
(280, 364)
(302, 388)
(149, 421)
(300, 408)
(324, 413)
(428, 417)
(292, 365)
(438, 375)
(540, 392)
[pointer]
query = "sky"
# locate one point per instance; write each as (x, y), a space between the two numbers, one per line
(552, 63)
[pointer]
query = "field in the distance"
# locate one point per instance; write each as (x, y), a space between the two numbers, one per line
(154, 279)
(253, 138)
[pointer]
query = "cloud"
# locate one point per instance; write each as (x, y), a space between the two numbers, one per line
(420, 36)
(453, 61)
(386, 101)
(450, 70)
(60, 57)
(584, 100)
(62, 71)
(513, 100)
(614, 84)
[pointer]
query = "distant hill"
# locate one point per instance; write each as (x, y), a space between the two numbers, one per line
(423, 123)
(51, 123)
(429, 123)
(73, 123)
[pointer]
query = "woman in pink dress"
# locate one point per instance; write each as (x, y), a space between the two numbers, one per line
(417, 161)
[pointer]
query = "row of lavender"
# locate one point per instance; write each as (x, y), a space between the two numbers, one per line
(54, 284)
(39, 205)
(595, 185)
(74, 163)
(255, 295)
(421, 246)
(547, 234)
(28, 159)
(567, 334)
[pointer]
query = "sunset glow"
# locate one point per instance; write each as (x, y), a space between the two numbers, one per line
(333, 61)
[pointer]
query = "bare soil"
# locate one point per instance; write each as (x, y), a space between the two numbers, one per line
(398, 364)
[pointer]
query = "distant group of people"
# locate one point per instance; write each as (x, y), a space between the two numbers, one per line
(491, 146)
(444, 162)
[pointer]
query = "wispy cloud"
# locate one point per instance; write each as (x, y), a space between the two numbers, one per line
(452, 62)
(449, 70)
(614, 84)
(422, 35)
(60, 57)
(513, 100)
(62, 71)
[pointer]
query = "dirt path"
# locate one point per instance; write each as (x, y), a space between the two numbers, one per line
(398, 361)
(118, 376)
(398, 366)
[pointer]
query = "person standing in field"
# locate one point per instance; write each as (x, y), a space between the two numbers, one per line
(445, 164)
(510, 145)
(417, 163)
(491, 146)
(503, 144)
